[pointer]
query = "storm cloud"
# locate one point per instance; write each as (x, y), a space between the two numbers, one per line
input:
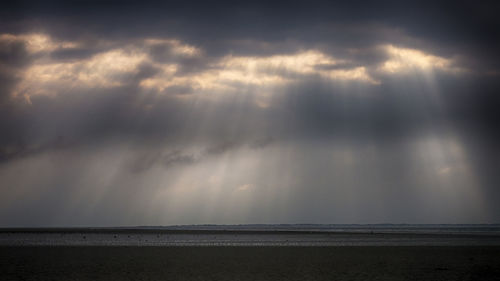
(126, 113)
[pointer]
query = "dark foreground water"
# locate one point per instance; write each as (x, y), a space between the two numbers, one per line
(250, 263)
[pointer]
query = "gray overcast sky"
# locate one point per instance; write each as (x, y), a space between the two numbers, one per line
(156, 113)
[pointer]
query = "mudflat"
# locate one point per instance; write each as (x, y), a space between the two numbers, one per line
(250, 263)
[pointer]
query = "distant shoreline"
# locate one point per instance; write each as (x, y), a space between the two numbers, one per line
(274, 228)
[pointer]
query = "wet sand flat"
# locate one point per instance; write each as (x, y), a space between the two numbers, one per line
(250, 263)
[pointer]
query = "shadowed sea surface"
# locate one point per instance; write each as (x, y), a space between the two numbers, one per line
(258, 235)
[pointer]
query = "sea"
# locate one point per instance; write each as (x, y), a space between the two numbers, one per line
(259, 235)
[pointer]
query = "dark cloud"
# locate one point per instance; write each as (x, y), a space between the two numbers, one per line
(464, 25)
(72, 54)
(146, 161)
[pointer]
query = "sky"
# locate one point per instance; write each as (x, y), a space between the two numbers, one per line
(123, 113)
